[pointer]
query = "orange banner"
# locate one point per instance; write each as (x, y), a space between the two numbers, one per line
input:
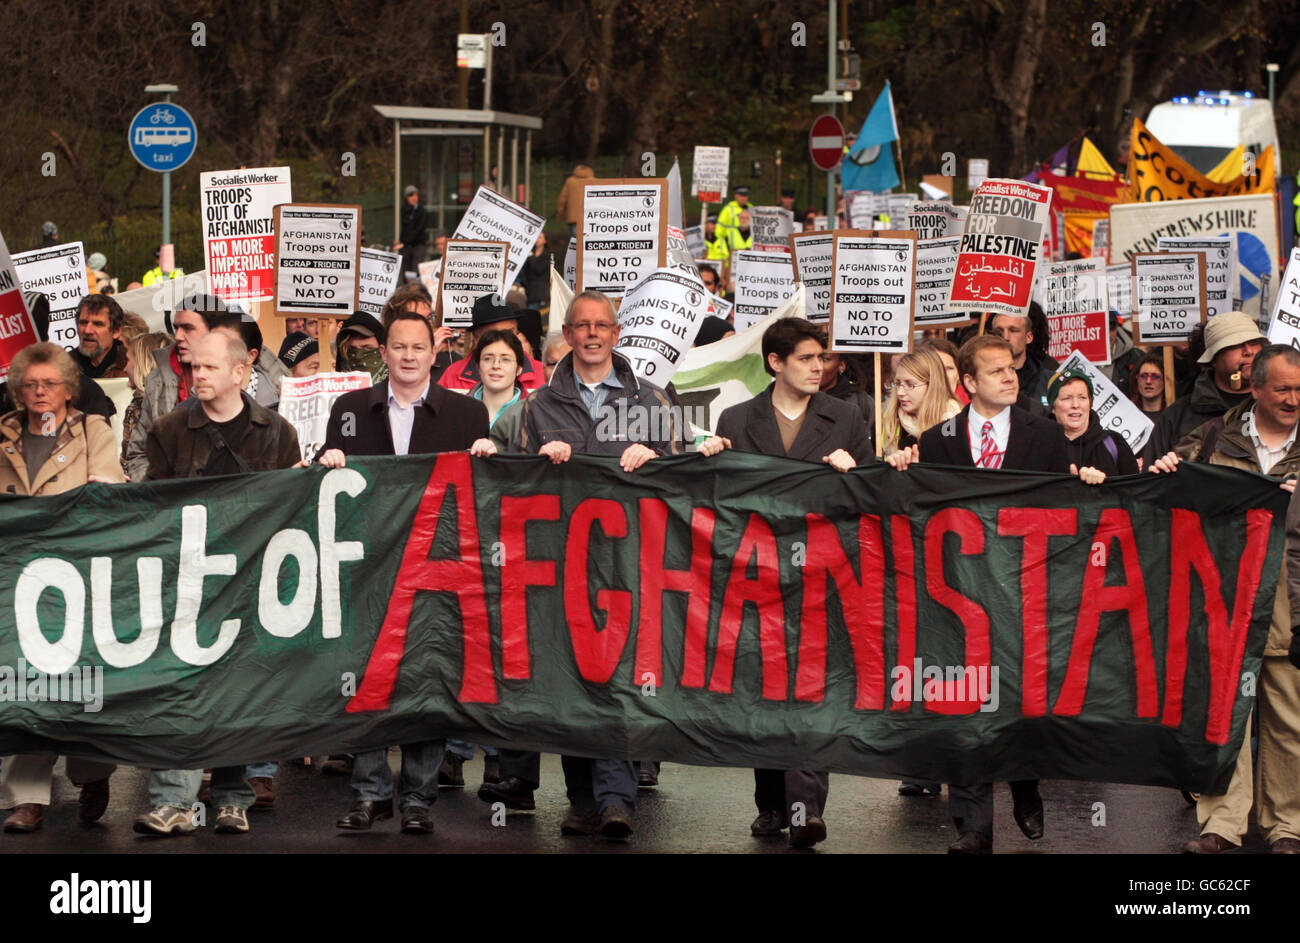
(1158, 173)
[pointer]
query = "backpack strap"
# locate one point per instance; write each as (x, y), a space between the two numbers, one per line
(1210, 441)
(1112, 448)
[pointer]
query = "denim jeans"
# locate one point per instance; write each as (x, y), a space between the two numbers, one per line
(267, 769)
(180, 787)
(372, 779)
(465, 750)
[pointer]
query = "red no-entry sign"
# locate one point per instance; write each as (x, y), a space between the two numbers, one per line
(826, 142)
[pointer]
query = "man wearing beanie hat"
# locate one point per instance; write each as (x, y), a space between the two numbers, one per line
(490, 311)
(1232, 340)
(301, 354)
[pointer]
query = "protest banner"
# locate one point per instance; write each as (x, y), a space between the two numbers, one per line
(493, 218)
(924, 658)
(695, 244)
(306, 402)
(771, 227)
(58, 273)
(1077, 305)
(1220, 266)
(16, 328)
(238, 208)
(1115, 411)
(709, 171)
(934, 219)
(1119, 288)
(430, 274)
(1159, 174)
(1284, 325)
(471, 269)
(380, 276)
(1168, 296)
(764, 280)
(571, 263)
(1000, 248)
(1101, 239)
(622, 233)
(317, 259)
(658, 321)
(936, 263)
(1250, 220)
(873, 291)
(811, 254)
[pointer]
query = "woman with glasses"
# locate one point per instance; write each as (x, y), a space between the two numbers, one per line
(1148, 385)
(918, 399)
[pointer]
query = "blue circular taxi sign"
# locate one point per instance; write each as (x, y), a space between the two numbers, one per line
(162, 136)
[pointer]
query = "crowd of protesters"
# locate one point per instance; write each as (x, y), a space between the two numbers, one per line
(204, 402)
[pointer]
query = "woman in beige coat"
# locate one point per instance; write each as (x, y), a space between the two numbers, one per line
(48, 447)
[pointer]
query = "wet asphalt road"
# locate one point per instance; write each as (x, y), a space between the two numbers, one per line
(694, 809)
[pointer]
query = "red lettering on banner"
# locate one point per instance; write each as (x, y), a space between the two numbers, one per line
(595, 650)
(900, 535)
(518, 573)
(969, 530)
(764, 591)
(461, 575)
(862, 606)
(657, 579)
(1131, 597)
(1226, 640)
(1035, 526)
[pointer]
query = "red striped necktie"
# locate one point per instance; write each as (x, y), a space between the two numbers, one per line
(990, 457)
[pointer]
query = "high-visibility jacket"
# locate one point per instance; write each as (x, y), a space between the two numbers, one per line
(729, 218)
(738, 242)
(155, 274)
(719, 247)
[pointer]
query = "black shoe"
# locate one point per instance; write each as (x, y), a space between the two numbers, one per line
(365, 813)
(417, 820)
(971, 843)
(337, 764)
(1029, 816)
(911, 789)
(512, 791)
(616, 824)
(581, 822)
(491, 769)
(451, 773)
(768, 823)
(647, 774)
(808, 834)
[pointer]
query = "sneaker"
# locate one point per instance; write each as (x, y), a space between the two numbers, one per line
(165, 820)
(264, 791)
(491, 769)
(231, 819)
(451, 773)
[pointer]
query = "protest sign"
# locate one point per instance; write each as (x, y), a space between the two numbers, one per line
(1160, 174)
(1119, 288)
(720, 307)
(1284, 326)
(317, 259)
(430, 274)
(238, 209)
(1000, 248)
(896, 206)
(977, 171)
(695, 244)
(658, 321)
(679, 255)
(1250, 220)
(378, 573)
(1077, 305)
(860, 208)
(873, 292)
(811, 253)
(1220, 266)
(1101, 239)
(771, 227)
(1169, 296)
(622, 233)
(1115, 411)
(306, 401)
(936, 262)
(571, 263)
(934, 219)
(763, 281)
(16, 328)
(493, 218)
(58, 273)
(709, 171)
(471, 268)
(380, 276)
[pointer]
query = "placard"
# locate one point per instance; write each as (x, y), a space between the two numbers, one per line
(1220, 266)
(571, 262)
(58, 273)
(860, 208)
(764, 280)
(720, 307)
(771, 227)
(977, 171)
(622, 233)
(1115, 411)
(1000, 248)
(16, 328)
(380, 275)
(430, 272)
(873, 292)
(1119, 288)
(935, 219)
(936, 261)
(658, 321)
(709, 171)
(1168, 296)
(896, 206)
(1284, 325)
(492, 218)
(812, 255)
(317, 259)
(306, 402)
(471, 268)
(695, 243)
(1076, 302)
(238, 208)
(1101, 238)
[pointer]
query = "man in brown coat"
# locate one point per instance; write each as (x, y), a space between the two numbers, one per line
(570, 201)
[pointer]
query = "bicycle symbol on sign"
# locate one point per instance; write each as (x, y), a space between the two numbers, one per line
(162, 115)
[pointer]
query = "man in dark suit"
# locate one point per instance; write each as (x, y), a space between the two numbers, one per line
(792, 418)
(992, 432)
(407, 414)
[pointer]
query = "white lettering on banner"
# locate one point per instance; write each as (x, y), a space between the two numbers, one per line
(764, 281)
(238, 213)
(1220, 266)
(1169, 295)
(1284, 325)
(470, 271)
(1115, 411)
(1076, 303)
(58, 273)
(658, 321)
(493, 218)
(381, 273)
(812, 264)
(317, 259)
(872, 293)
(621, 236)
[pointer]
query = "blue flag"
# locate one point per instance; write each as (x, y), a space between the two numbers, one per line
(869, 164)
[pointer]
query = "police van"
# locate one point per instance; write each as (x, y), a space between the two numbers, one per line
(1207, 128)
